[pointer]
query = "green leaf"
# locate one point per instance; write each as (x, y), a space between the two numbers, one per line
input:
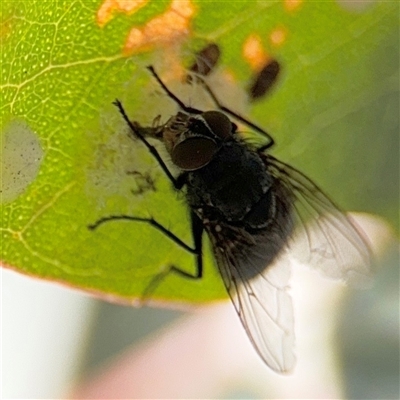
(67, 160)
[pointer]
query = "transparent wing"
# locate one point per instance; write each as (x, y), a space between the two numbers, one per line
(263, 305)
(324, 237)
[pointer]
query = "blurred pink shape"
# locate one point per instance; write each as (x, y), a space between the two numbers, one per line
(208, 355)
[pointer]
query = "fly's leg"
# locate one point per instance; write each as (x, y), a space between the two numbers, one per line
(233, 114)
(149, 221)
(221, 107)
(197, 233)
(189, 110)
(136, 133)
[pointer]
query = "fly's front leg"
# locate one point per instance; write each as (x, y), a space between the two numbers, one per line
(136, 133)
(233, 114)
(189, 110)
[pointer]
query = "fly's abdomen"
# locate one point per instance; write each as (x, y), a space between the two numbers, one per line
(255, 242)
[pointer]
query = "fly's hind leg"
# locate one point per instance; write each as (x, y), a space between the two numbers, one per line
(197, 233)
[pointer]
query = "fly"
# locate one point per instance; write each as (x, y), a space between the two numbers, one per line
(257, 211)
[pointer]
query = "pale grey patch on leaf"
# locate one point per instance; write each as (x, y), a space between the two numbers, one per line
(356, 6)
(21, 157)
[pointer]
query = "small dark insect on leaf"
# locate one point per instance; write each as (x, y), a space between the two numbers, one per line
(264, 80)
(258, 212)
(205, 61)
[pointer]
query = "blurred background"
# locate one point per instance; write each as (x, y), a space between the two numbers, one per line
(54, 337)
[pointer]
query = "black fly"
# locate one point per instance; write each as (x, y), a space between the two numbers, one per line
(258, 212)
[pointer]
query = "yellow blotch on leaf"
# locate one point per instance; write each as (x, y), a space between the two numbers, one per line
(109, 7)
(166, 28)
(292, 5)
(278, 36)
(254, 53)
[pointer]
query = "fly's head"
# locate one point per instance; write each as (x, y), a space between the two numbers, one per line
(193, 140)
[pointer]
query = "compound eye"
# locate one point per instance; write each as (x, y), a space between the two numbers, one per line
(219, 123)
(193, 153)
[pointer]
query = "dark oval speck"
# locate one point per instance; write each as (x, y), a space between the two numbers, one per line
(264, 80)
(206, 60)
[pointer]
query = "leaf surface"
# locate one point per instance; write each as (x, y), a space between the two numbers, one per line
(67, 159)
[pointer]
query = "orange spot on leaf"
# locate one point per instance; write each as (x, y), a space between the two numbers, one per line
(254, 53)
(166, 28)
(292, 5)
(174, 70)
(109, 7)
(278, 36)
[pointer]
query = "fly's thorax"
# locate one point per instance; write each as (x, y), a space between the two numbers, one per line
(231, 184)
